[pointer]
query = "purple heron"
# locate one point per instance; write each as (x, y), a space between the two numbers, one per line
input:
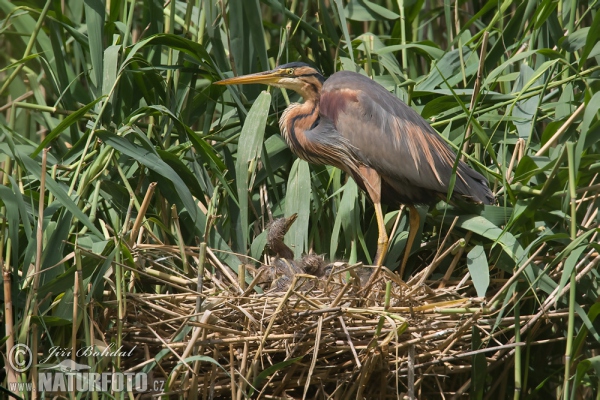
(353, 123)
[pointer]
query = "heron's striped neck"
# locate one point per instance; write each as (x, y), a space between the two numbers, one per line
(296, 119)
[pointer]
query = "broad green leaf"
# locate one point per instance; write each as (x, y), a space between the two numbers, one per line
(564, 107)
(250, 146)
(479, 268)
(94, 15)
(491, 77)
(485, 228)
(448, 65)
(575, 40)
(240, 35)
(339, 9)
(148, 157)
(591, 40)
(297, 200)
(433, 52)
(525, 110)
(252, 14)
(258, 245)
(569, 265)
(67, 122)
(345, 216)
(543, 11)
(60, 193)
(110, 74)
(189, 47)
(50, 321)
(365, 10)
(583, 368)
(591, 316)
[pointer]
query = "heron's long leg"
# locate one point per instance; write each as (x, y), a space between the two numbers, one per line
(414, 220)
(383, 241)
(372, 182)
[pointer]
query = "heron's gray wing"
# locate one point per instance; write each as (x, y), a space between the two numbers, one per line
(394, 140)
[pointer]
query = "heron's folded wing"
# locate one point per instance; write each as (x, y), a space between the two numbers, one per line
(393, 139)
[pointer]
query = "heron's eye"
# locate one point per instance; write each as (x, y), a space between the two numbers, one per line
(290, 71)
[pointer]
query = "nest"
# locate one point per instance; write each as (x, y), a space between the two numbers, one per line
(314, 330)
(337, 336)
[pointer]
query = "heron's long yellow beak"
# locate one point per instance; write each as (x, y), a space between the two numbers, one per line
(261, 77)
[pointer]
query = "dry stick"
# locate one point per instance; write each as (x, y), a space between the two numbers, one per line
(364, 374)
(516, 275)
(314, 359)
(589, 214)
(224, 269)
(78, 280)
(213, 374)
(243, 365)
(411, 372)
(127, 218)
(475, 93)
(354, 353)
(561, 130)
(141, 214)
(395, 227)
(589, 218)
(550, 301)
(8, 307)
(441, 246)
(192, 390)
(232, 371)
(200, 280)
(500, 380)
(427, 271)
(469, 354)
(253, 283)
(170, 348)
(6, 275)
(17, 100)
(448, 343)
(461, 390)
(341, 294)
(585, 193)
(191, 344)
(552, 298)
(242, 276)
(273, 318)
(200, 352)
(516, 152)
(36, 278)
(454, 262)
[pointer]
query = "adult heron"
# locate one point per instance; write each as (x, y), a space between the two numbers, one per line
(353, 123)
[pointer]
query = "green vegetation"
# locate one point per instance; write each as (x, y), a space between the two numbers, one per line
(99, 100)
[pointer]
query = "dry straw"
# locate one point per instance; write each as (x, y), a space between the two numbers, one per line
(318, 337)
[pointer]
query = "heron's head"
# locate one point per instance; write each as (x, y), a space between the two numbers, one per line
(297, 76)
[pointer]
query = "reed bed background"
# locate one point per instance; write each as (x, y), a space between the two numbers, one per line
(134, 198)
